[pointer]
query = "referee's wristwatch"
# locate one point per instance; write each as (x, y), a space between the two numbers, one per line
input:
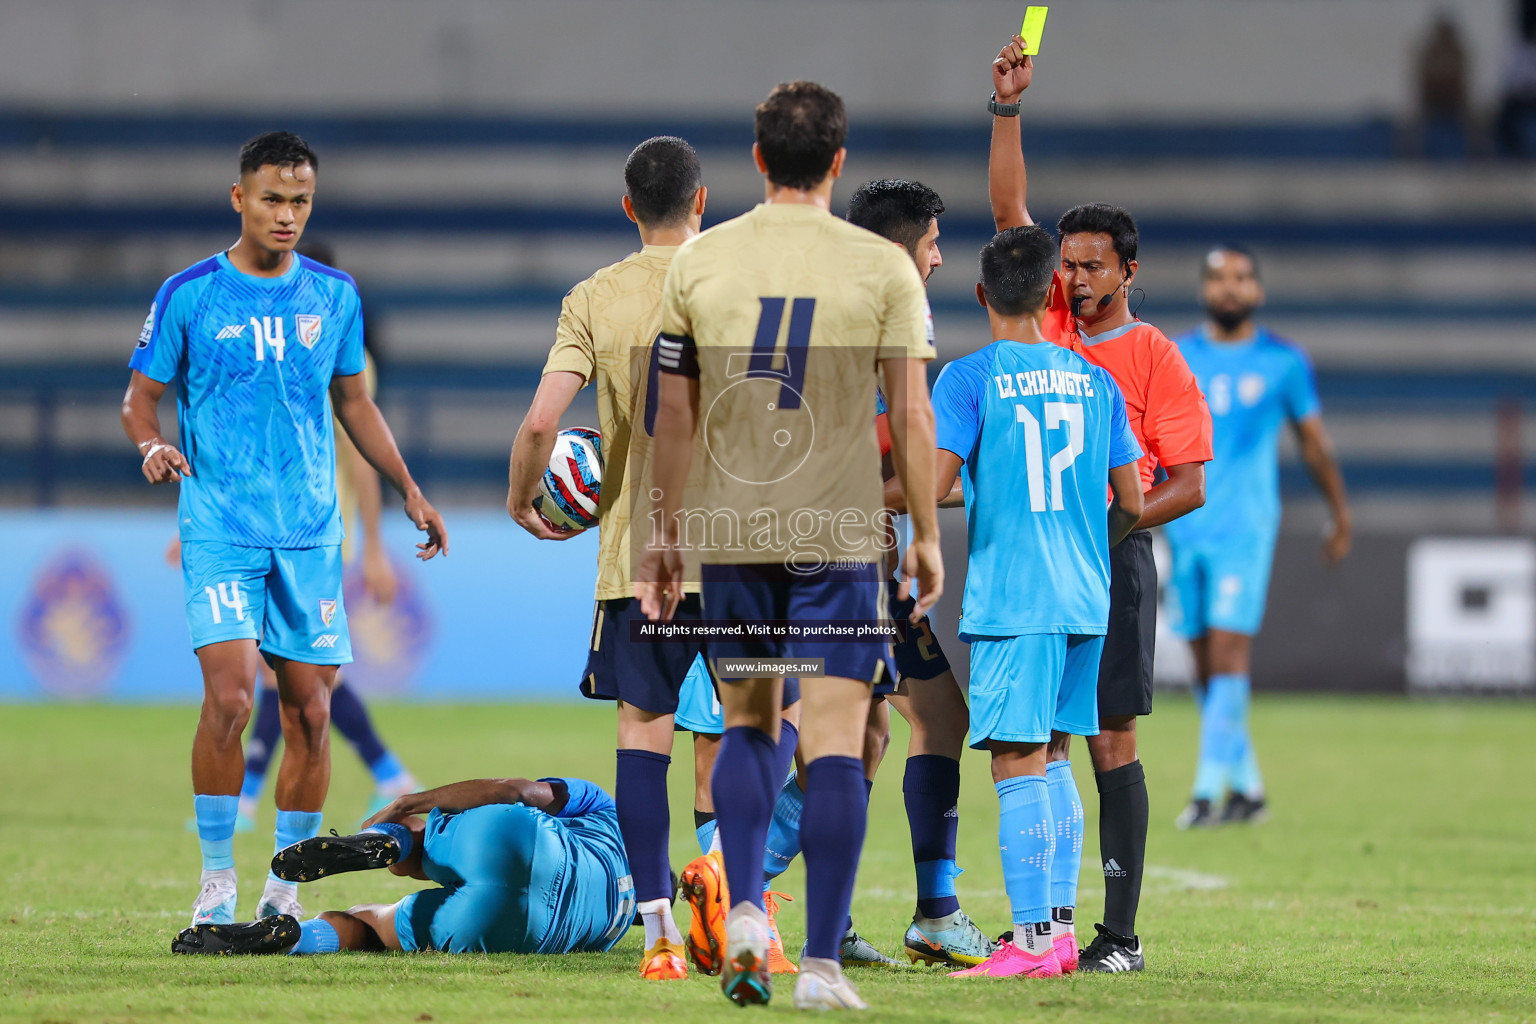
(1002, 109)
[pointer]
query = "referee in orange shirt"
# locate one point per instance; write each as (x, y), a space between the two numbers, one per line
(1091, 315)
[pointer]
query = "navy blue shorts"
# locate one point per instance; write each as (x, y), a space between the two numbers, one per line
(648, 675)
(774, 593)
(918, 654)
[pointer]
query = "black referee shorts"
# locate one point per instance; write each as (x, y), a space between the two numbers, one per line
(1125, 671)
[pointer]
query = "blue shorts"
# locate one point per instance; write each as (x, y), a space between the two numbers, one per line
(772, 592)
(1221, 586)
(288, 599)
(698, 707)
(918, 654)
(1022, 687)
(646, 674)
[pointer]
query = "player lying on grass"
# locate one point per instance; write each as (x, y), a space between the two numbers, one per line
(521, 867)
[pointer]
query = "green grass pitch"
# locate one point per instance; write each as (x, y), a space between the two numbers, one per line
(1396, 880)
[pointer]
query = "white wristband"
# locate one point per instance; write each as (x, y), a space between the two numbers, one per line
(151, 453)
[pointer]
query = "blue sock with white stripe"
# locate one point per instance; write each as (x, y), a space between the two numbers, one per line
(215, 817)
(1067, 812)
(1026, 837)
(783, 844)
(931, 789)
(316, 936)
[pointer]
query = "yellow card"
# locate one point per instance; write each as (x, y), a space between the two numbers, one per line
(1034, 28)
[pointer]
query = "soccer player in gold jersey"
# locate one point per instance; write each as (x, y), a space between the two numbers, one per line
(777, 328)
(607, 329)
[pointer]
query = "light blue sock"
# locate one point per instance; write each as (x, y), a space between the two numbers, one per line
(1220, 717)
(1067, 812)
(706, 834)
(1246, 778)
(1026, 836)
(784, 830)
(399, 833)
(316, 936)
(215, 817)
(293, 826)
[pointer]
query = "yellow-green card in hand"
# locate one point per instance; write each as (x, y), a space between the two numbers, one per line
(1034, 28)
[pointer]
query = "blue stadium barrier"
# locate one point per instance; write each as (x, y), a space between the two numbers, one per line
(91, 610)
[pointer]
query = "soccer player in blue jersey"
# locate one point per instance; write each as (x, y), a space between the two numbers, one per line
(521, 867)
(1039, 431)
(1254, 383)
(262, 344)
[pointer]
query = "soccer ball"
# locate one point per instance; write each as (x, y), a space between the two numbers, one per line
(570, 487)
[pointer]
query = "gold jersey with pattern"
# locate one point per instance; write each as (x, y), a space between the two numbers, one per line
(785, 313)
(607, 328)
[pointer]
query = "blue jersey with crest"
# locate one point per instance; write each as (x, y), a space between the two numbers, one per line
(1039, 428)
(253, 358)
(1253, 388)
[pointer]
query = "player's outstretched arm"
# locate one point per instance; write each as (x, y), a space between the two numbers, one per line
(1317, 455)
(913, 455)
(141, 422)
(461, 796)
(1007, 181)
(532, 447)
(1125, 505)
(659, 580)
(365, 425)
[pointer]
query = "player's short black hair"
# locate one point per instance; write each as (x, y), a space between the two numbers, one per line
(661, 175)
(1016, 269)
(280, 149)
(799, 128)
(895, 208)
(1236, 248)
(1102, 219)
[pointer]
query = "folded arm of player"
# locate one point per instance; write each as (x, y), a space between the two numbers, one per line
(1183, 491)
(1317, 456)
(531, 450)
(141, 422)
(1125, 504)
(365, 425)
(1007, 181)
(912, 454)
(549, 797)
(659, 579)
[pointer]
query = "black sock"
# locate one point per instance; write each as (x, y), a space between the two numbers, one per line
(1122, 843)
(702, 818)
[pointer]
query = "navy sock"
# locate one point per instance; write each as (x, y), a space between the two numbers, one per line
(744, 789)
(784, 753)
(350, 718)
(640, 791)
(831, 838)
(931, 790)
(261, 744)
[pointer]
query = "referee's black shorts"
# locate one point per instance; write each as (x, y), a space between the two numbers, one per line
(1125, 671)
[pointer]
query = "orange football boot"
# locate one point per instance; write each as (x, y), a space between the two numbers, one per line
(703, 885)
(778, 963)
(664, 962)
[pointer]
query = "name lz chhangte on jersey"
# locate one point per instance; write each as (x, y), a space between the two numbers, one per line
(1044, 382)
